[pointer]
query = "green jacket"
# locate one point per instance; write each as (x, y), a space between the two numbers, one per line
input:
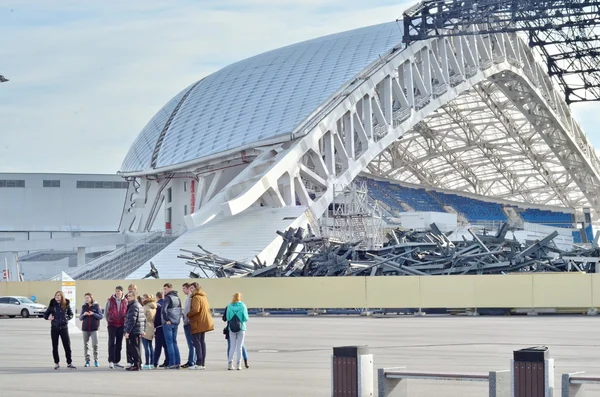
(240, 310)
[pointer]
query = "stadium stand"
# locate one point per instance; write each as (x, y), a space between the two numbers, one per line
(548, 218)
(472, 209)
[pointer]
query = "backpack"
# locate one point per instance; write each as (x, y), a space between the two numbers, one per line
(235, 325)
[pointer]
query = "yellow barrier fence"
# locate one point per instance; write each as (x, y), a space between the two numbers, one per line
(548, 290)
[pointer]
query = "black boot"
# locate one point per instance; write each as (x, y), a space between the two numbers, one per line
(246, 363)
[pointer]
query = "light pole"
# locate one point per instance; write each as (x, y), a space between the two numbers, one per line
(3, 79)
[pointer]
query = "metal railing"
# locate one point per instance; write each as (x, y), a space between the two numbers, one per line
(123, 261)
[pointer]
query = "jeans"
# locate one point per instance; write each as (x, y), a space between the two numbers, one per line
(115, 343)
(148, 350)
(200, 346)
(237, 341)
(190, 343)
(86, 344)
(63, 334)
(159, 345)
(244, 352)
(133, 350)
(170, 331)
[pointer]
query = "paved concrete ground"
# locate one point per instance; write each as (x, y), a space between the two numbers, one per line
(291, 356)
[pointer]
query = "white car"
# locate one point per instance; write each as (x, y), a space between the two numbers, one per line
(12, 306)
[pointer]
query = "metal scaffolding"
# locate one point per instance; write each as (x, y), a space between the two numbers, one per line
(564, 31)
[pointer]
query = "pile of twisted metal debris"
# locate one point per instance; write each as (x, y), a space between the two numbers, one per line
(302, 254)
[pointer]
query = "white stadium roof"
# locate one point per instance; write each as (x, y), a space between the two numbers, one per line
(260, 99)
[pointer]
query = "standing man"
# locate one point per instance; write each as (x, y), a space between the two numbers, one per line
(134, 327)
(201, 322)
(115, 311)
(171, 316)
(186, 327)
(159, 336)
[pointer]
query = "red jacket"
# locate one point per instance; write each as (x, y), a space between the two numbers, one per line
(115, 315)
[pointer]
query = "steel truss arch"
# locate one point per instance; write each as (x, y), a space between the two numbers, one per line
(477, 83)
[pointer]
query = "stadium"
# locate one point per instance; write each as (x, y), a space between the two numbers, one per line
(469, 132)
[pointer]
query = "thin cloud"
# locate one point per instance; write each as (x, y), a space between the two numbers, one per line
(86, 78)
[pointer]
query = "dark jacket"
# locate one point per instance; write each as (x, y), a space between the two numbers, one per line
(90, 323)
(226, 329)
(135, 322)
(61, 316)
(171, 309)
(158, 316)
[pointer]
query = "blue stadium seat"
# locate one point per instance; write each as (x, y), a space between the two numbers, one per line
(548, 218)
(472, 209)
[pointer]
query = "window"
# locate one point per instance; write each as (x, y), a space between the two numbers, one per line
(169, 195)
(25, 300)
(185, 210)
(12, 183)
(101, 185)
(4, 300)
(185, 186)
(13, 301)
(51, 183)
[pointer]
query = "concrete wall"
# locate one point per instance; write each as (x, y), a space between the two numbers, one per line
(65, 208)
(573, 290)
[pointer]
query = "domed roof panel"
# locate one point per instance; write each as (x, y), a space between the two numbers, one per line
(259, 98)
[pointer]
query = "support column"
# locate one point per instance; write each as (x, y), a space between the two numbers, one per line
(80, 256)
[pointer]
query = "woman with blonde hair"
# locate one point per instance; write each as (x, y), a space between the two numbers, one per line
(237, 317)
(149, 312)
(59, 313)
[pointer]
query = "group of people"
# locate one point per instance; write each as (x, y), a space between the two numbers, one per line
(144, 319)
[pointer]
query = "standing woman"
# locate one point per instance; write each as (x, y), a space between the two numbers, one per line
(134, 327)
(90, 322)
(237, 317)
(149, 313)
(226, 333)
(59, 313)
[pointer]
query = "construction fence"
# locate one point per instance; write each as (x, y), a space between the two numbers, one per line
(518, 291)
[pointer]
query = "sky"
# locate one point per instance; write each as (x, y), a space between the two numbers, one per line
(86, 76)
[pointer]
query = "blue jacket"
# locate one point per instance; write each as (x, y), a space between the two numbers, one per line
(90, 323)
(158, 316)
(240, 310)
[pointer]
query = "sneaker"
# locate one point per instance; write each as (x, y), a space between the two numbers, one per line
(87, 364)
(230, 366)
(56, 366)
(71, 366)
(111, 365)
(118, 365)
(239, 366)
(128, 365)
(96, 364)
(192, 367)
(163, 365)
(187, 365)
(173, 367)
(132, 368)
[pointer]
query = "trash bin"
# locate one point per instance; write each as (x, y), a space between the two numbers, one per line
(533, 372)
(352, 372)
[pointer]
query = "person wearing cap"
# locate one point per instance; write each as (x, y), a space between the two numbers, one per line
(116, 309)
